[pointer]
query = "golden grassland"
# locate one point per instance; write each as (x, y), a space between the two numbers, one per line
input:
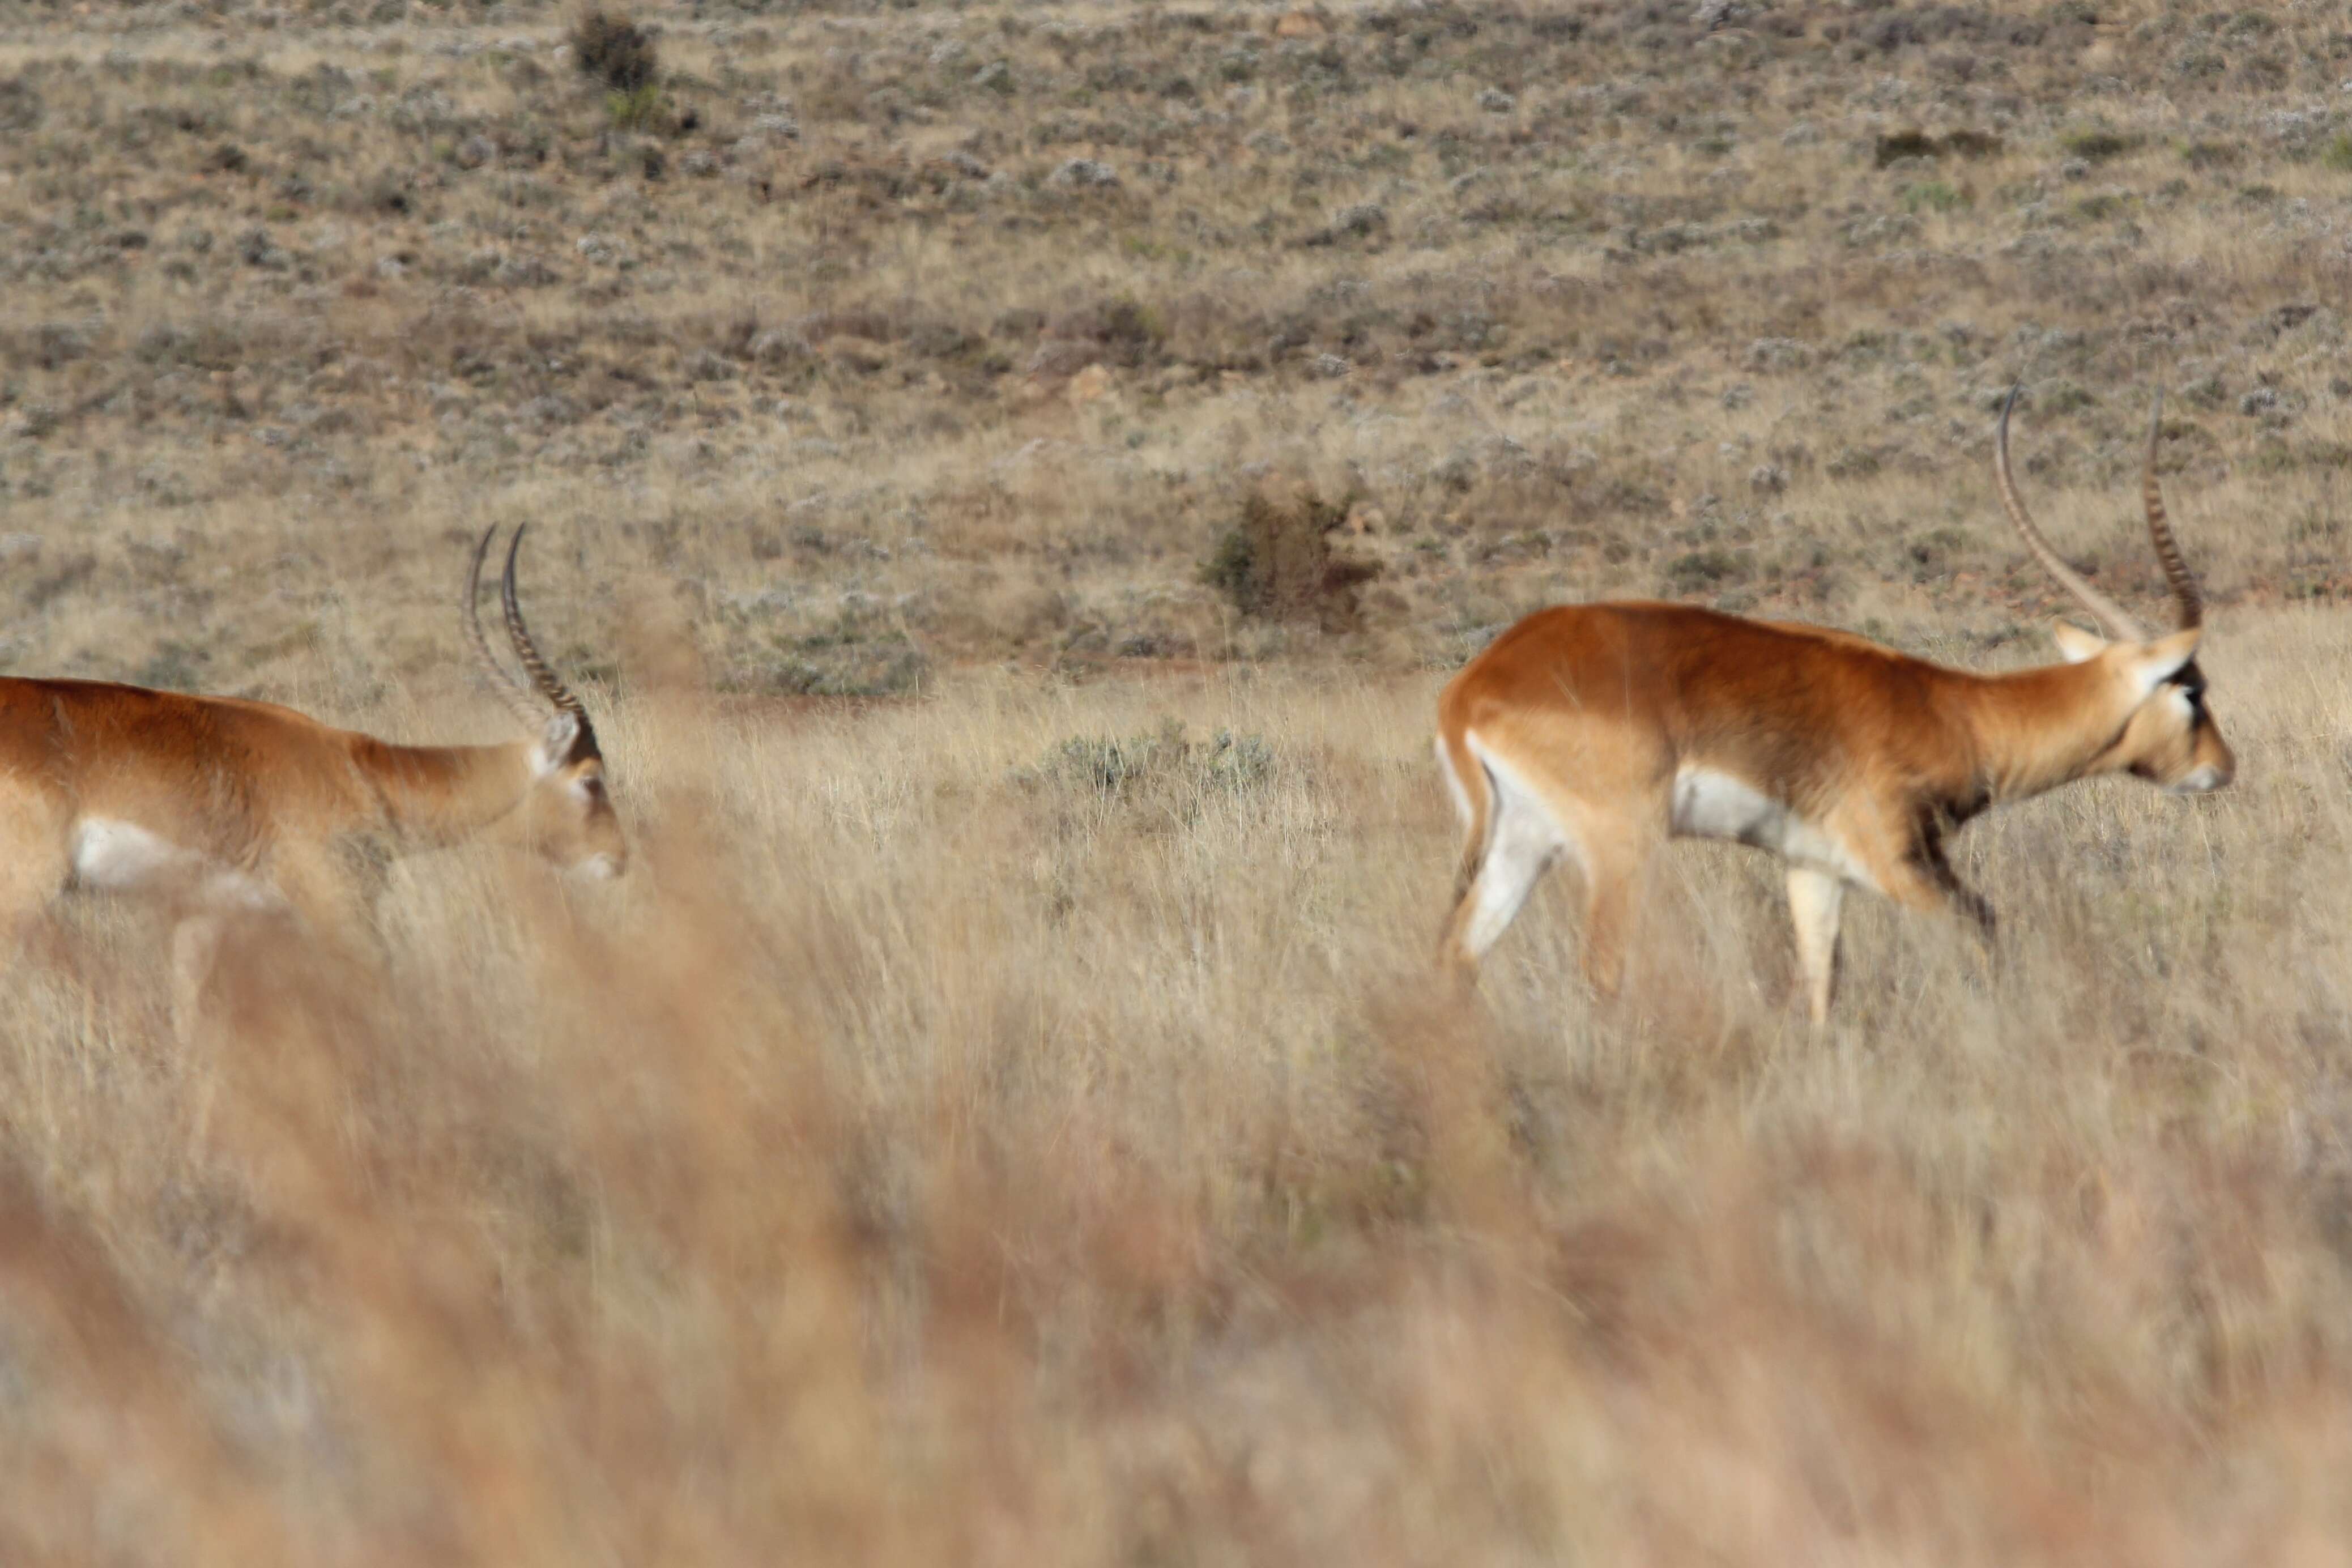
(1007, 1113)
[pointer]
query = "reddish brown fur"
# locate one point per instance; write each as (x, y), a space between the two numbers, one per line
(247, 783)
(291, 807)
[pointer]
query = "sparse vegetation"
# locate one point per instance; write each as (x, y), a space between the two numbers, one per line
(1008, 1119)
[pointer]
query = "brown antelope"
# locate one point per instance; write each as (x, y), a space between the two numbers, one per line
(218, 804)
(1598, 731)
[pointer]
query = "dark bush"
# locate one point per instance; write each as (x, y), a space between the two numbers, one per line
(1277, 563)
(614, 50)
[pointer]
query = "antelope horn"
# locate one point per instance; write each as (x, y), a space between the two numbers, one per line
(2159, 530)
(2111, 617)
(525, 649)
(508, 690)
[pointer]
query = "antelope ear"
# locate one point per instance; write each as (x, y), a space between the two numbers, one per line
(2160, 661)
(2075, 646)
(557, 742)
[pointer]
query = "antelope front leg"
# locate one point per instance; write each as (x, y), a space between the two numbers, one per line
(1924, 880)
(1815, 898)
(195, 945)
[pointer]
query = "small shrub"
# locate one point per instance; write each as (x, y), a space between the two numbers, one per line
(1852, 463)
(1934, 196)
(1225, 764)
(634, 108)
(2337, 154)
(2066, 398)
(614, 50)
(1898, 145)
(1277, 564)
(2096, 145)
(1702, 569)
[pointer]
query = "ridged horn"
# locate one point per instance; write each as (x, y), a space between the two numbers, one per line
(508, 690)
(2159, 530)
(2112, 617)
(526, 650)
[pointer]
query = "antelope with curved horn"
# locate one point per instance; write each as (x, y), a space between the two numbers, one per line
(1595, 732)
(220, 804)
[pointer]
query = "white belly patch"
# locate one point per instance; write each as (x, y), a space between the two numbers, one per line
(1710, 804)
(124, 857)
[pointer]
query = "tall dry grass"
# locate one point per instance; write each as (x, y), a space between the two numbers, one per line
(1010, 1127)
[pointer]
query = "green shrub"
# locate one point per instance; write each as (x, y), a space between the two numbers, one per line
(634, 108)
(1934, 196)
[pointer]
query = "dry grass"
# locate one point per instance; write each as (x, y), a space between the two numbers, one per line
(1008, 1117)
(951, 1147)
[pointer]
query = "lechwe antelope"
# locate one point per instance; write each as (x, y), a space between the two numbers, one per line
(220, 805)
(1598, 731)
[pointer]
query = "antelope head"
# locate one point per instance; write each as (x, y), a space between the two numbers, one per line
(565, 813)
(2170, 738)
